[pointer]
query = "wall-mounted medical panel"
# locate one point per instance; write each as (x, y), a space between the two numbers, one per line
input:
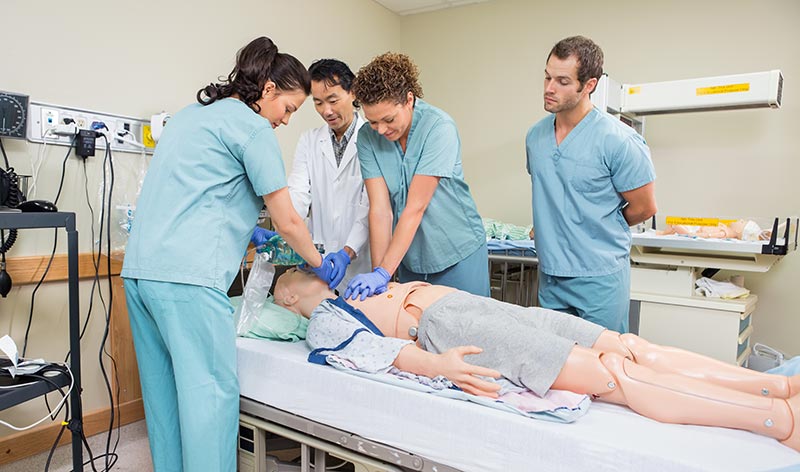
(46, 122)
(752, 90)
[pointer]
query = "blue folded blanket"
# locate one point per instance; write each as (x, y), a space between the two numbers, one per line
(505, 247)
(788, 368)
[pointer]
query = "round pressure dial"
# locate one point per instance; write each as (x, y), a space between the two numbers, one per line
(13, 115)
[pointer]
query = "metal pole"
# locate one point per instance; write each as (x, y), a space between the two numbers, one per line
(74, 343)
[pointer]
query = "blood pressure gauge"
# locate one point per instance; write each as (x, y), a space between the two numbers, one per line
(13, 115)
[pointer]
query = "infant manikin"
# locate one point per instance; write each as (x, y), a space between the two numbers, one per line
(746, 230)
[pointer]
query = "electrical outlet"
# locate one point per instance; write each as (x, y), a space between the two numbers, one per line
(49, 119)
(121, 128)
(124, 132)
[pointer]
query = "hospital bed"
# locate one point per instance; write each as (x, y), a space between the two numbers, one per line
(380, 427)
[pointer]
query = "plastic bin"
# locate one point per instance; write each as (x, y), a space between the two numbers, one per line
(764, 358)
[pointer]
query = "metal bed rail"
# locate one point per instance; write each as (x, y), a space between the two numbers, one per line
(513, 278)
(366, 455)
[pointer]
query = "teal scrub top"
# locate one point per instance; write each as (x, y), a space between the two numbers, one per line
(202, 194)
(577, 201)
(451, 228)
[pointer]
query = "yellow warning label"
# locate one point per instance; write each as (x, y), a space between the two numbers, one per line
(634, 90)
(730, 88)
(147, 137)
(690, 221)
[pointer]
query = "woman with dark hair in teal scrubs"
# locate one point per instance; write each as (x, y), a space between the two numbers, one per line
(217, 163)
(423, 223)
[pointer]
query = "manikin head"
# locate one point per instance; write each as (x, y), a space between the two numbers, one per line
(300, 291)
(573, 68)
(331, 83)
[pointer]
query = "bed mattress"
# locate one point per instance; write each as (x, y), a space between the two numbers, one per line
(471, 437)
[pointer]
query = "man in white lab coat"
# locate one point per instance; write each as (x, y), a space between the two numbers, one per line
(325, 181)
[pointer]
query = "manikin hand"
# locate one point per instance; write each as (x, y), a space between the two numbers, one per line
(261, 236)
(452, 365)
(340, 260)
(367, 285)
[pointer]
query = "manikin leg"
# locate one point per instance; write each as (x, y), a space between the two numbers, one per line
(672, 398)
(678, 361)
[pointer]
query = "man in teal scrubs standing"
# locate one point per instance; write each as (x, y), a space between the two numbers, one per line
(592, 179)
(216, 164)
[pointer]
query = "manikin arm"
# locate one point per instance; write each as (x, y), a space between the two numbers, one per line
(330, 331)
(674, 229)
(451, 365)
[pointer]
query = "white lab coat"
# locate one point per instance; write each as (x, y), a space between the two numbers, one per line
(335, 195)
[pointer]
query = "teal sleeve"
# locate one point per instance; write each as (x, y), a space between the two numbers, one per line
(366, 154)
(631, 166)
(439, 154)
(263, 163)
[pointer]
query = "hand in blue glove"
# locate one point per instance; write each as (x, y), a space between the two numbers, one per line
(340, 260)
(261, 236)
(369, 284)
(324, 271)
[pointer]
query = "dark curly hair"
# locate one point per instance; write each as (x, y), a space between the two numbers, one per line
(389, 76)
(257, 63)
(588, 54)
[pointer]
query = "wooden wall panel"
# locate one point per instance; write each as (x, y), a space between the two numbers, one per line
(28, 270)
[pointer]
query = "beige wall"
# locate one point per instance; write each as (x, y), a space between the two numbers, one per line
(483, 64)
(126, 70)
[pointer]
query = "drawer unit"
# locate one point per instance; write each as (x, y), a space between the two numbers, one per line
(716, 328)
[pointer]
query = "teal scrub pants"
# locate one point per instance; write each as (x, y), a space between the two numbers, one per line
(185, 343)
(604, 300)
(470, 274)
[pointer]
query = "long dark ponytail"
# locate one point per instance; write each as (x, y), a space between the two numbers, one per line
(257, 63)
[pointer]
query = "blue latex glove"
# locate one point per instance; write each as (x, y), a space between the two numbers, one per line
(261, 236)
(369, 284)
(324, 271)
(340, 260)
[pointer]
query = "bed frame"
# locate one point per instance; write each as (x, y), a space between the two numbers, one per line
(263, 429)
(513, 278)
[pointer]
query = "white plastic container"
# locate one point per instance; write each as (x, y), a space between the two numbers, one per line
(764, 358)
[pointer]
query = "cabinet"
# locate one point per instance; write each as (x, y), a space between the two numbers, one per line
(18, 395)
(716, 328)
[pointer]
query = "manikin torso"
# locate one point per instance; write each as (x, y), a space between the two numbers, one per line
(400, 307)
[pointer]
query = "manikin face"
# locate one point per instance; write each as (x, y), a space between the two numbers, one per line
(278, 105)
(562, 90)
(334, 104)
(391, 120)
(299, 283)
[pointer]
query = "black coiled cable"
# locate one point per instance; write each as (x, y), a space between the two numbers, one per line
(14, 199)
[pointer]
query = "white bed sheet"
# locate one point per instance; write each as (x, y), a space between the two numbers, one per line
(471, 437)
